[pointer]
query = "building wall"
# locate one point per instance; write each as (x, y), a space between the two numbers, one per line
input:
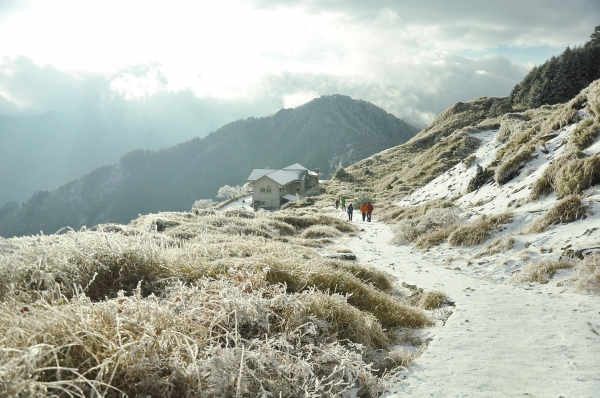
(266, 192)
(311, 182)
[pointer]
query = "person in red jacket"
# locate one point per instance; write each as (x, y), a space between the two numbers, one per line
(370, 208)
(363, 210)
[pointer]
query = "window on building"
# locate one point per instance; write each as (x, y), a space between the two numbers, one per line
(262, 190)
(268, 189)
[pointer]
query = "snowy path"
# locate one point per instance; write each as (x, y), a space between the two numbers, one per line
(502, 340)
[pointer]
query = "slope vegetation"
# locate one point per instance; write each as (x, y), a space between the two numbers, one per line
(445, 142)
(197, 304)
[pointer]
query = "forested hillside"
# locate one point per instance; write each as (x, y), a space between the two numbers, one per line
(561, 77)
(320, 134)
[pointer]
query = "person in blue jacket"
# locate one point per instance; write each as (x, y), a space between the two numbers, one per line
(350, 210)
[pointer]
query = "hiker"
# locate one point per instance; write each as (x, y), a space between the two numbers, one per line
(337, 203)
(343, 204)
(350, 210)
(363, 210)
(370, 208)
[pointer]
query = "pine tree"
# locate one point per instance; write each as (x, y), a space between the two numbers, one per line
(560, 78)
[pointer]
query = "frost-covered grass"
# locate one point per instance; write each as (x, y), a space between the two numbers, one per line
(499, 245)
(436, 222)
(320, 231)
(429, 229)
(213, 304)
(524, 132)
(395, 213)
(432, 300)
(586, 274)
(569, 175)
(216, 338)
(583, 135)
(478, 231)
(567, 210)
(541, 271)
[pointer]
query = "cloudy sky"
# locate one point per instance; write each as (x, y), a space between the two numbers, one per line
(84, 82)
(412, 58)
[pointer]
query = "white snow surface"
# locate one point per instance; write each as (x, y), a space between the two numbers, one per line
(503, 339)
(245, 201)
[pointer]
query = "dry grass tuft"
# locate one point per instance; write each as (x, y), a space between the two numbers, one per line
(344, 321)
(524, 133)
(564, 211)
(381, 280)
(320, 231)
(429, 229)
(302, 221)
(468, 162)
(384, 362)
(568, 175)
(541, 271)
(432, 300)
(583, 135)
(586, 275)
(388, 309)
(592, 95)
(500, 245)
(510, 165)
(478, 231)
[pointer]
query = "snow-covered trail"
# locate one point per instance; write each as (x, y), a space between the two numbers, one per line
(502, 340)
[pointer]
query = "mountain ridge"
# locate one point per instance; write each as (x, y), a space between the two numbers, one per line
(322, 133)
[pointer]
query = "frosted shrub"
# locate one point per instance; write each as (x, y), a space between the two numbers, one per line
(203, 204)
(481, 177)
(586, 275)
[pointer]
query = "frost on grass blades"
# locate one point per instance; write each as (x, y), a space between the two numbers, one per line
(201, 303)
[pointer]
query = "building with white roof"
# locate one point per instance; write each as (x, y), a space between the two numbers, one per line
(273, 188)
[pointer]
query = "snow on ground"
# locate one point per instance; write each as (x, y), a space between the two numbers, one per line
(512, 196)
(503, 339)
(240, 202)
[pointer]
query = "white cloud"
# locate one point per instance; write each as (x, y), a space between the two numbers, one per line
(413, 58)
(299, 98)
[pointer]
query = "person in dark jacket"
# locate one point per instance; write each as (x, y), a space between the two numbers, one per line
(370, 208)
(337, 203)
(350, 210)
